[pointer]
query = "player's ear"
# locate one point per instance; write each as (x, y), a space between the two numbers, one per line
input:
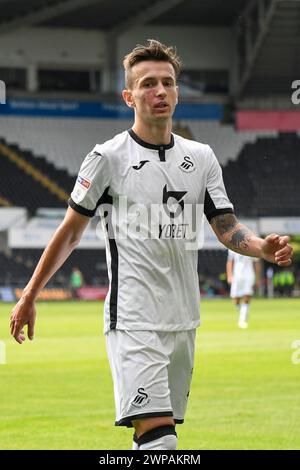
(128, 98)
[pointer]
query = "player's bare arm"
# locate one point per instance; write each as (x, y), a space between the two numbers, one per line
(237, 237)
(63, 242)
(229, 270)
(257, 269)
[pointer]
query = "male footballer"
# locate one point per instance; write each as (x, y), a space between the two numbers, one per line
(152, 306)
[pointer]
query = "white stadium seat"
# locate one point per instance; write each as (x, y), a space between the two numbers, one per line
(65, 142)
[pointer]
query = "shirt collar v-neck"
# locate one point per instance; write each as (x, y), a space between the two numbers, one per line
(151, 146)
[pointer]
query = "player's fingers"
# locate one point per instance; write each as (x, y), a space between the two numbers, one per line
(273, 237)
(30, 332)
(285, 263)
(281, 260)
(18, 332)
(286, 251)
(12, 325)
(20, 339)
(17, 327)
(284, 240)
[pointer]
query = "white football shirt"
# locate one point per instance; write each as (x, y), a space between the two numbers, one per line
(151, 199)
(243, 266)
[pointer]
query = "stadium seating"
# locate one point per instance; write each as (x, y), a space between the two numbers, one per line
(264, 180)
(19, 266)
(65, 142)
(211, 263)
(21, 189)
(211, 270)
(253, 162)
(223, 138)
(13, 271)
(59, 176)
(260, 169)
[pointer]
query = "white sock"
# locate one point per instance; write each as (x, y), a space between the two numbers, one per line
(135, 445)
(168, 442)
(244, 310)
(160, 438)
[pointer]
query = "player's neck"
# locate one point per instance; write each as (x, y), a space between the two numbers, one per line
(153, 134)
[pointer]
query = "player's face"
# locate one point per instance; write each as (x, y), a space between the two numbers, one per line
(154, 92)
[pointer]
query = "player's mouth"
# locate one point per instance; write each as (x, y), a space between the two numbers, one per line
(161, 105)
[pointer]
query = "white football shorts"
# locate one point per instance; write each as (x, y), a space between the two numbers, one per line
(152, 372)
(242, 286)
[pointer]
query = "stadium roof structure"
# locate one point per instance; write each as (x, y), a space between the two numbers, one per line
(267, 32)
(116, 14)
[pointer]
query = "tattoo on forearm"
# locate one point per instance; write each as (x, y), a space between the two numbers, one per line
(240, 239)
(224, 223)
(238, 236)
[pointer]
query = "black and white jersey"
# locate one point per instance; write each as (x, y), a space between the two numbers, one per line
(151, 199)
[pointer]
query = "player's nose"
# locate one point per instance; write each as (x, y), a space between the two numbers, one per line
(160, 90)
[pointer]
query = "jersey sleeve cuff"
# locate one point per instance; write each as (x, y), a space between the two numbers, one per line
(81, 210)
(215, 212)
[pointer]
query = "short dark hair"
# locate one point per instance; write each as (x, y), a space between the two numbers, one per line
(154, 50)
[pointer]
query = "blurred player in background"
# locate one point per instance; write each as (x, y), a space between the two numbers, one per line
(243, 274)
(152, 307)
(76, 281)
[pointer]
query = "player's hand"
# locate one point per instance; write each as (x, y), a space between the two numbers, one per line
(276, 249)
(23, 314)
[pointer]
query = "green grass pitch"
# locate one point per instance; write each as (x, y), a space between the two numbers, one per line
(56, 392)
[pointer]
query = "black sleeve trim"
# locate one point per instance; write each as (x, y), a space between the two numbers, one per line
(216, 212)
(210, 209)
(81, 210)
(104, 199)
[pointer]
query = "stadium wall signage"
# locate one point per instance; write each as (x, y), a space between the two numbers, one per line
(99, 110)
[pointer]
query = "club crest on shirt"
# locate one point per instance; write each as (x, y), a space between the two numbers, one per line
(83, 182)
(187, 165)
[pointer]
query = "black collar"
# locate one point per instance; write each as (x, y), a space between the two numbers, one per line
(151, 146)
